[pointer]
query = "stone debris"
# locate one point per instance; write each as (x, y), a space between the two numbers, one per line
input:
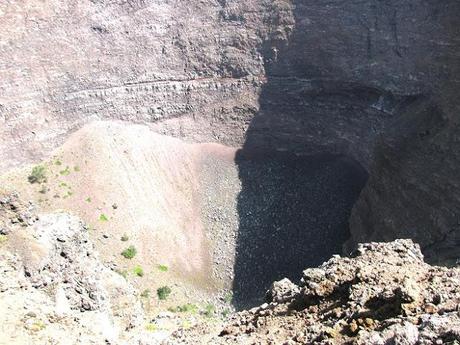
(53, 288)
(384, 294)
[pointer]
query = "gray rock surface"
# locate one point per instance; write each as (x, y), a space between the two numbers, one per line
(384, 294)
(302, 75)
(413, 190)
(55, 290)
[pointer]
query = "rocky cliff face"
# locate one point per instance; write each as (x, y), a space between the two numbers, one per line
(385, 294)
(413, 191)
(375, 81)
(302, 75)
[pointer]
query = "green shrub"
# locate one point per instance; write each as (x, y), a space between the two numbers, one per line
(145, 293)
(225, 313)
(228, 298)
(163, 268)
(103, 218)
(123, 273)
(88, 199)
(163, 292)
(65, 172)
(151, 327)
(38, 174)
(209, 310)
(137, 270)
(186, 308)
(3, 238)
(124, 238)
(43, 190)
(129, 252)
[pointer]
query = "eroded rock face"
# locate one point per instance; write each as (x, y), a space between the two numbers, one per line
(54, 289)
(414, 186)
(302, 75)
(385, 294)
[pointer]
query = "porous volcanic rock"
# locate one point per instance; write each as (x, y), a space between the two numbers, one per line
(384, 294)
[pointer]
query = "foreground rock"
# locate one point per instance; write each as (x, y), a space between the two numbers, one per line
(385, 294)
(54, 289)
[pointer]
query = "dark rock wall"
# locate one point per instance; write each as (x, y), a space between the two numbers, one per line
(325, 76)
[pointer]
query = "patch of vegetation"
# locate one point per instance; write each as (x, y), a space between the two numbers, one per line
(163, 268)
(65, 172)
(38, 174)
(186, 308)
(186, 324)
(69, 193)
(138, 270)
(225, 312)
(228, 298)
(58, 162)
(43, 189)
(88, 199)
(38, 326)
(76, 168)
(123, 273)
(145, 293)
(209, 310)
(3, 239)
(151, 327)
(62, 184)
(124, 238)
(163, 292)
(129, 252)
(103, 218)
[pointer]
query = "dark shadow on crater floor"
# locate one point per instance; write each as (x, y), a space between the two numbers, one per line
(293, 214)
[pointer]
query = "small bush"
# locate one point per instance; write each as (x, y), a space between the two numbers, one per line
(3, 238)
(209, 310)
(76, 168)
(138, 271)
(151, 327)
(163, 268)
(123, 273)
(228, 298)
(163, 292)
(103, 218)
(145, 293)
(65, 172)
(58, 162)
(129, 252)
(186, 308)
(43, 190)
(225, 313)
(88, 199)
(124, 238)
(38, 174)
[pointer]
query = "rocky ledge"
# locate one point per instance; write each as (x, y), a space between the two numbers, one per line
(384, 294)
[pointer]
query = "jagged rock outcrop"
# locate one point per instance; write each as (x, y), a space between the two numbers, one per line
(384, 294)
(414, 186)
(54, 289)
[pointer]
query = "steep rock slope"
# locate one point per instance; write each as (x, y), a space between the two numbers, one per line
(53, 287)
(303, 75)
(384, 294)
(414, 188)
(214, 205)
